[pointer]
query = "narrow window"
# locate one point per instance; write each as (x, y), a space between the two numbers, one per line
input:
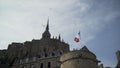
(46, 55)
(26, 60)
(34, 58)
(20, 61)
(41, 65)
(49, 65)
(24, 66)
(60, 53)
(53, 54)
(44, 50)
(32, 66)
(38, 56)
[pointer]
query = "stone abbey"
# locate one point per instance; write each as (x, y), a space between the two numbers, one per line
(46, 52)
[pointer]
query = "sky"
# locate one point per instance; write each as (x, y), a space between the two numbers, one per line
(97, 20)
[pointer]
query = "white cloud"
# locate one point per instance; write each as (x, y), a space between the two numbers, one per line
(23, 19)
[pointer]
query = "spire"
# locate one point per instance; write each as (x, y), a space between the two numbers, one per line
(46, 34)
(47, 27)
(59, 37)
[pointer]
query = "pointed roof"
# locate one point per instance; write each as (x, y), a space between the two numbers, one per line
(47, 27)
(85, 48)
(59, 37)
(46, 34)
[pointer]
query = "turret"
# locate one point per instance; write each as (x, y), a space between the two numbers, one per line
(59, 37)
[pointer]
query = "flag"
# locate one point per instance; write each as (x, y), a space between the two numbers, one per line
(77, 37)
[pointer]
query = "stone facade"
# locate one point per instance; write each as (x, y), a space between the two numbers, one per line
(101, 66)
(118, 58)
(46, 52)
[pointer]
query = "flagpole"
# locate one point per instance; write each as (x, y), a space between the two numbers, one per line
(78, 40)
(80, 43)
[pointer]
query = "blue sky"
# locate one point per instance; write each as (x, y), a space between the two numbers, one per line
(97, 20)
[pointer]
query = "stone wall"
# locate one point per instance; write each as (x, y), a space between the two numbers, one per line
(39, 63)
(79, 59)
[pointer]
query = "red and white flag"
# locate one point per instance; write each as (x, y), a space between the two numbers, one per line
(77, 37)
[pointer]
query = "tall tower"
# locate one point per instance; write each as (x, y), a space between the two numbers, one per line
(46, 34)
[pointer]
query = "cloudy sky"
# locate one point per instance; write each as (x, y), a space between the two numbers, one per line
(97, 20)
